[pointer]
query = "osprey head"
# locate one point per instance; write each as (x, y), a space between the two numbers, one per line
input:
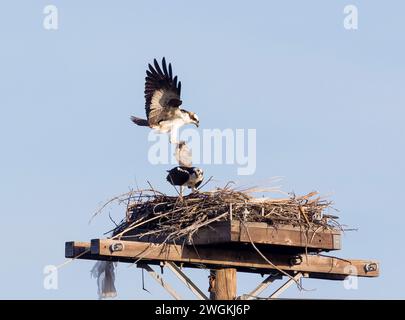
(194, 118)
(198, 172)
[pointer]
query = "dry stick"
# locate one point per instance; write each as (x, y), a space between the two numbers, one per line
(267, 260)
(112, 220)
(133, 226)
(107, 203)
(228, 184)
(269, 214)
(145, 252)
(305, 233)
(140, 224)
(151, 188)
(128, 194)
(313, 236)
(196, 251)
(209, 179)
(205, 223)
(301, 209)
(172, 183)
(72, 259)
(149, 250)
(328, 256)
(128, 203)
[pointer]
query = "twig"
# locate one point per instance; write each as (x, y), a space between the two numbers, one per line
(205, 183)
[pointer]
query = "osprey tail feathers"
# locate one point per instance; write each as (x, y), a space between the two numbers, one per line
(140, 122)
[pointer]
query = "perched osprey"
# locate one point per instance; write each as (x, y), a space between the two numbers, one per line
(185, 177)
(162, 95)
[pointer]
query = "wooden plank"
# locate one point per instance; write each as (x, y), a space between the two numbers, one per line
(263, 233)
(242, 258)
(287, 236)
(217, 232)
(74, 249)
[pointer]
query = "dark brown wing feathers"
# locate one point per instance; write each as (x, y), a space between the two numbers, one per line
(161, 78)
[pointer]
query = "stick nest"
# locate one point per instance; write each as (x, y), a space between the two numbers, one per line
(154, 214)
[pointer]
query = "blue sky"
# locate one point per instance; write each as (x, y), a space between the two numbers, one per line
(327, 104)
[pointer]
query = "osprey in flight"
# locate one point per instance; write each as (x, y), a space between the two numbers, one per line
(185, 177)
(162, 95)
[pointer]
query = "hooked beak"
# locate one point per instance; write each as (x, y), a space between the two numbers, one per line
(197, 123)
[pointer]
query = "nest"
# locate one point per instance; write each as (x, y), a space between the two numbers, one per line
(154, 214)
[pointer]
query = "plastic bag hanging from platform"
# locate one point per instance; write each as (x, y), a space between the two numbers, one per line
(103, 271)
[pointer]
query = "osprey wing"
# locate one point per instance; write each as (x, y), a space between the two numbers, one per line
(162, 92)
(178, 176)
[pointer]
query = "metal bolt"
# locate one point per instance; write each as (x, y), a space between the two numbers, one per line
(116, 247)
(296, 260)
(370, 267)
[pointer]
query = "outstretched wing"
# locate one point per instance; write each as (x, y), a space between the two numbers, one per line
(162, 92)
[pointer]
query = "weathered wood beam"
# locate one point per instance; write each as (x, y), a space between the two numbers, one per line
(316, 266)
(243, 259)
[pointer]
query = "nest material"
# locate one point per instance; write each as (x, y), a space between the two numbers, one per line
(151, 213)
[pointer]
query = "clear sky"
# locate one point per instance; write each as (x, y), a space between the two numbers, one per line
(327, 103)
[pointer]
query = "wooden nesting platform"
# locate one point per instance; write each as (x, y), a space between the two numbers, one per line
(231, 244)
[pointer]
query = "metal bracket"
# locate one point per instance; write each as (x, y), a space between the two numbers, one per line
(159, 279)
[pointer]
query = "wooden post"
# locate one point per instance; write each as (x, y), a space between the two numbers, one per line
(224, 284)
(211, 288)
